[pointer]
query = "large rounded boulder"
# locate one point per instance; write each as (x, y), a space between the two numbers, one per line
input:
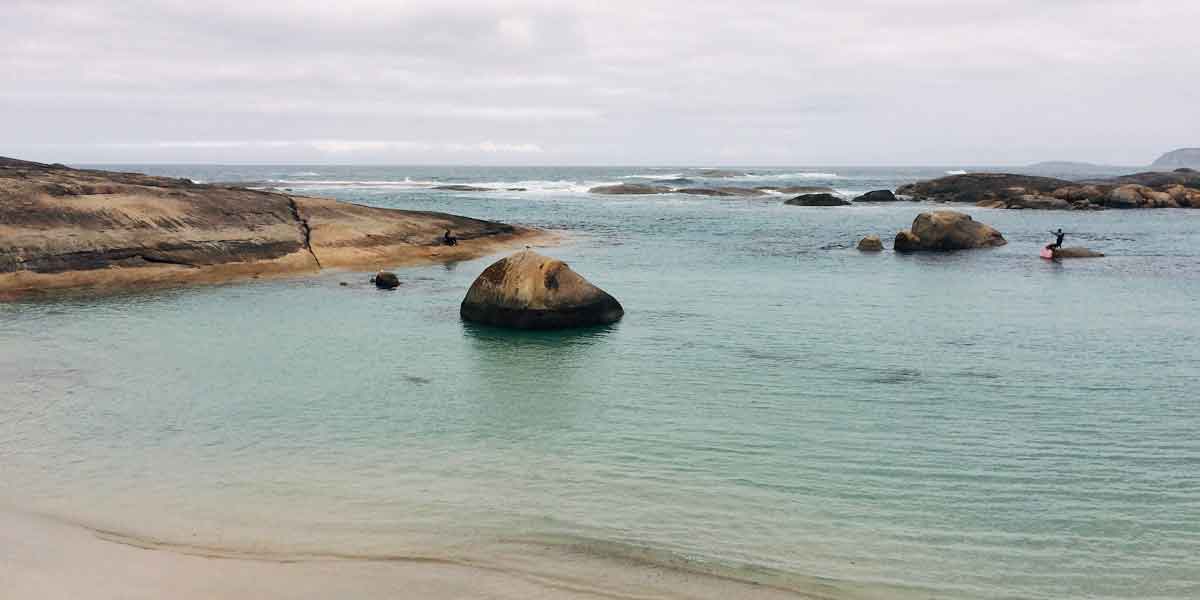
(530, 291)
(947, 230)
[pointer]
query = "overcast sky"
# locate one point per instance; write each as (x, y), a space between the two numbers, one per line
(842, 82)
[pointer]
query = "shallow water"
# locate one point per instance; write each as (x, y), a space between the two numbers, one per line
(980, 424)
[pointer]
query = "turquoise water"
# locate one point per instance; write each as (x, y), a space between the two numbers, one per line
(975, 425)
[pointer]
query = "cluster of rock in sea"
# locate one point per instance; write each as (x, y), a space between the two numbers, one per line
(1174, 189)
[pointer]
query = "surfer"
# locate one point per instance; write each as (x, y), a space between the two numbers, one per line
(449, 239)
(1058, 241)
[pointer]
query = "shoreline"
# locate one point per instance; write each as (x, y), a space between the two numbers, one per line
(45, 557)
(30, 286)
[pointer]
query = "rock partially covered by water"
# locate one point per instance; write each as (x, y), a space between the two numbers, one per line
(947, 230)
(721, 191)
(458, 187)
(871, 243)
(816, 200)
(1077, 252)
(720, 173)
(386, 280)
(877, 196)
(630, 189)
(530, 291)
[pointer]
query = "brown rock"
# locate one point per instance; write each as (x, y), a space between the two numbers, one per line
(907, 241)
(1076, 252)
(63, 228)
(976, 187)
(947, 230)
(635, 189)
(531, 291)
(871, 243)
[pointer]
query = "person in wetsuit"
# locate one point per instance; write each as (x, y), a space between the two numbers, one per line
(449, 239)
(1057, 242)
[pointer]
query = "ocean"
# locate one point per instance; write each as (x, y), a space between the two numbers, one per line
(775, 406)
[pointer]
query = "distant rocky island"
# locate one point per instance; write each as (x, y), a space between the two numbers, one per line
(64, 228)
(1175, 189)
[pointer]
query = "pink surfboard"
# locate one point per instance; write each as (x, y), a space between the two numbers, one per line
(1047, 253)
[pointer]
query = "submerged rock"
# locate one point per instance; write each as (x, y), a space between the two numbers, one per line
(877, 196)
(871, 243)
(722, 191)
(530, 291)
(947, 230)
(630, 189)
(719, 173)
(1077, 252)
(816, 200)
(386, 280)
(463, 188)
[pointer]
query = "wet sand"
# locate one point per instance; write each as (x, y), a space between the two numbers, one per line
(48, 559)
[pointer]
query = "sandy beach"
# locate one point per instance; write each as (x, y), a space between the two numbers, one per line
(48, 559)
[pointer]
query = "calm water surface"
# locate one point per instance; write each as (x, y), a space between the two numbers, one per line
(977, 425)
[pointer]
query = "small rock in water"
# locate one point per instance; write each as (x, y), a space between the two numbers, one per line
(386, 280)
(877, 196)
(1077, 252)
(871, 243)
(816, 200)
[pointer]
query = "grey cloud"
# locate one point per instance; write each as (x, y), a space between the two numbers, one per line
(819, 82)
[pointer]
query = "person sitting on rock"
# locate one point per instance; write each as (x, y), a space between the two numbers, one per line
(449, 239)
(1057, 242)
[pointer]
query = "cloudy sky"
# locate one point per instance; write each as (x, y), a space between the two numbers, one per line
(793, 82)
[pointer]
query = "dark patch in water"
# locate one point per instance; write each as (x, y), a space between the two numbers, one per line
(893, 376)
(417, 380)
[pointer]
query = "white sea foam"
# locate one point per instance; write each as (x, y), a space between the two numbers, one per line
(956, 172)
(653, 176)
(349, 183)
(786, 176)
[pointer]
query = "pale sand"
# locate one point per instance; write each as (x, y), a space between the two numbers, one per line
(44, 559)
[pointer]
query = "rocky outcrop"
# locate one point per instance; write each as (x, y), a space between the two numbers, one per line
(1138, 196)
(947, 230)
(877, 196)
(816, 200)
(978, 187)
(1076, 252)
(531, 291)
(999, 190)
(1183, 157)
(635, 189)
(386, 280)
(63, 228)
(871, 243)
